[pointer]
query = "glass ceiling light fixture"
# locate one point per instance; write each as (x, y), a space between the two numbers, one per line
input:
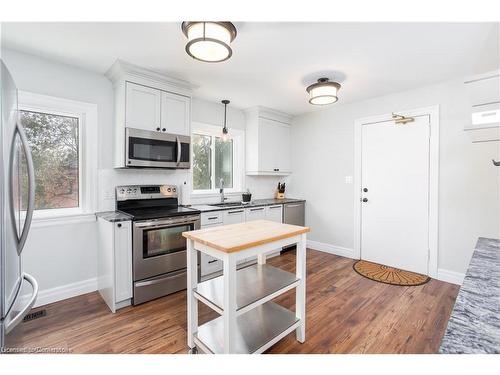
(225, 133)
(209, 41)
(323, 92)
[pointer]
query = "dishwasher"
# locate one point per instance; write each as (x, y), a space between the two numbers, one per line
(293, 213)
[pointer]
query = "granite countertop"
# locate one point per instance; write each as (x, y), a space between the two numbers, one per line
(114, 216)
(474, 325)
(253, 203)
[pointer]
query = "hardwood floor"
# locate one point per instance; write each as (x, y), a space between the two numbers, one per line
(346, 313)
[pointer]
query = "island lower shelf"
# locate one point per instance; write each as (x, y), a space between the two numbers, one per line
(256, 285)
(256, 330)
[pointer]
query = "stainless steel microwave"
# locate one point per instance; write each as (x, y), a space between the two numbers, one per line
(152, 149)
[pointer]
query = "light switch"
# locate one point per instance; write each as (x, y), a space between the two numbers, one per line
(348, 179)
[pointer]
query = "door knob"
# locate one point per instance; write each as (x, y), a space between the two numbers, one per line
(365, 200)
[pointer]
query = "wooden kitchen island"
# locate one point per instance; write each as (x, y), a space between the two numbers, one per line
(250, 322)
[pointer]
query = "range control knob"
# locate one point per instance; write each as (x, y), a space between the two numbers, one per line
(169, 190)
(174, 190)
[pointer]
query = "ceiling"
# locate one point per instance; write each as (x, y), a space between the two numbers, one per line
(272, 63)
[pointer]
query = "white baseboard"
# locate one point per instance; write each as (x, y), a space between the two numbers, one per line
(450, 276)
(327, 248)
(63, 292)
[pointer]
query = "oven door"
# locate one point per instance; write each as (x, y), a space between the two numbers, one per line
(150, 149)
(159, 246)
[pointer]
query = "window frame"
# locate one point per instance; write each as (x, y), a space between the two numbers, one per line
(87, 149)
(238, 138)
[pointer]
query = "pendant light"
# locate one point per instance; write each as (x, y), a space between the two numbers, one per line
(209, 41)
(225, 133)
(323, 92)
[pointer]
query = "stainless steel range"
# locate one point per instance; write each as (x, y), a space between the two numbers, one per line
(159, 250)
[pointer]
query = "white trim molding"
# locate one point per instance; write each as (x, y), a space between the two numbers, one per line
(450, 276)
(331, 249)
(88, 152)
(433, 113)
(62, 292)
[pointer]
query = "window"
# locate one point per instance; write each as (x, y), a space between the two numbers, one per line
(215, 160)
(55, 142)
(62, 136)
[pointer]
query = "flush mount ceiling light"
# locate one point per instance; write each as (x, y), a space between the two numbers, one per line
(209, 41)
(225, 132)
(323, 92)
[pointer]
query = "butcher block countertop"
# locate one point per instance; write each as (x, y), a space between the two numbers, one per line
(237, 237)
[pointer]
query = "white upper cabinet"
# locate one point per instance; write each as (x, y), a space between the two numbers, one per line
(175, 113)
(268, 142)
(234, 216)
(255, 213)
(143, 107)
(147, 100)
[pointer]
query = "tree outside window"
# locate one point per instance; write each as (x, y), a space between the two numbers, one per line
(54, 143)
(212, 160)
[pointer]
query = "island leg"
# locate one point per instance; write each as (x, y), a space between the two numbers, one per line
(229, 313)
(192, 282)
(300, 291)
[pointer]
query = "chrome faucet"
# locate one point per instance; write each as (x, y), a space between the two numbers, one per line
(222, 198)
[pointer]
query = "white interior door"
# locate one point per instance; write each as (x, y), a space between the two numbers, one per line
(395, 194)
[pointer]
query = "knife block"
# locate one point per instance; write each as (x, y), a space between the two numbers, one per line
(280, 195)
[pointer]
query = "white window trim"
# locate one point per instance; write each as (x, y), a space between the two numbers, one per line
(87, 115)
(238, 137)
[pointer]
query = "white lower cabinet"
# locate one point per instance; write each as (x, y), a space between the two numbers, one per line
(210, 265)
(115, 263)
(233, 217)
(275, 213)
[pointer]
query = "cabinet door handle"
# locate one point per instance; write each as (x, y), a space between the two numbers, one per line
(234, 212)
(273, 207)
(257, 209)
(213, 261)
(119, 225)
(158, 129)
(213, 217)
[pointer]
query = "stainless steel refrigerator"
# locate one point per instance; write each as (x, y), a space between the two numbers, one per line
(17, 198)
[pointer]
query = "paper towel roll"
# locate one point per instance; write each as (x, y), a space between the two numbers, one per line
(185, 195)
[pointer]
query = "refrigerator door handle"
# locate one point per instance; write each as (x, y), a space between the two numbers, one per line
(21, 314)
(31, 186)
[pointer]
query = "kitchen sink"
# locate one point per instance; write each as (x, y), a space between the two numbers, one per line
(228, 204)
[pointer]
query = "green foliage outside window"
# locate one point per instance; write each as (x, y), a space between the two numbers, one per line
(220, 164)
(53, 140)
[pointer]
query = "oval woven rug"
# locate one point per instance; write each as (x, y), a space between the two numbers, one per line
(388, 275)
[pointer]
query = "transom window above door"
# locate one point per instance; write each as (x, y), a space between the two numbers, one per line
(216, 161)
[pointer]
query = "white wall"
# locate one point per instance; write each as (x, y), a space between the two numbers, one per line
(469, 184)
(63, 257)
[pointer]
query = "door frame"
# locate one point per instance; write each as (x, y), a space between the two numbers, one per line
(433, 113)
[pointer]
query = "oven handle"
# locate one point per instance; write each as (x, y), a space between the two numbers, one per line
(178, 150)
(154, 224)
(161, 279)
